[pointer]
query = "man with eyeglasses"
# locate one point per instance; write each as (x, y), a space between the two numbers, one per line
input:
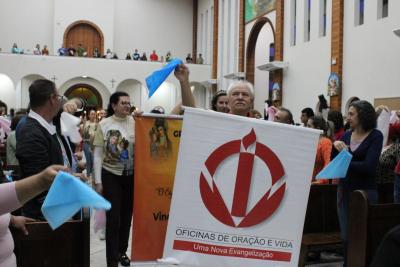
(39, 140)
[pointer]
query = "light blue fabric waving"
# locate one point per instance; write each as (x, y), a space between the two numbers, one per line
(158, 77)
(67, 195)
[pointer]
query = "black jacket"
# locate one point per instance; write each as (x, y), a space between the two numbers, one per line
(36, 150)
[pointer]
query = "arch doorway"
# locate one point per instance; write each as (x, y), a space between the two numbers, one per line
(251, 46)
(86, 33)
(260, 50)
(86, 92)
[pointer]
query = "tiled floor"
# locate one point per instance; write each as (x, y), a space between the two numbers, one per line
(98, 255)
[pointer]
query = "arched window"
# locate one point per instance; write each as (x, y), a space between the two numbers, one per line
(87, 93)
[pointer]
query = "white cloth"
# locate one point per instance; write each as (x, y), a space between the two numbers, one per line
(69, 127)
(97, 163)
(49, 126)
(383, 125)
(393, 117)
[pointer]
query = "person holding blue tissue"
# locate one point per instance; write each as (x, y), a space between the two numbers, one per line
(364, 142)
(14, 195)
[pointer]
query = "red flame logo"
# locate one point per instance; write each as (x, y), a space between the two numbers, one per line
(268, 203)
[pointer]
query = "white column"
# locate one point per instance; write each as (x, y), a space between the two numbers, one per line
(227, 46)
(221, 36)
(210, 35)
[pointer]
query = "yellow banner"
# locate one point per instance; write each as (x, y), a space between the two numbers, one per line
(156, 152)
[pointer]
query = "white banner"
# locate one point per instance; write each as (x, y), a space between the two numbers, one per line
(240, 192)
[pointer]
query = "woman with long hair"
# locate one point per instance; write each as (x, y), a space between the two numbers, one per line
(114, 174)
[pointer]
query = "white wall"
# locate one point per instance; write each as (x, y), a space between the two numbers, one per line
(163, 25)
(26, 23)
(261, 78)
(309, 62)
(99, 12)
(102, 70)
(164, 96)
(21, 90)
(8, 91)
(371, 53)
(228, 40)
(371, 56)
(134, 89)
(202, 94)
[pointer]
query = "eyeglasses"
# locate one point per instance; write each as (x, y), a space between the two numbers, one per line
(61, 98)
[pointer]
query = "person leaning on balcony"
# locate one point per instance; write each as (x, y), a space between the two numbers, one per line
(153, 56)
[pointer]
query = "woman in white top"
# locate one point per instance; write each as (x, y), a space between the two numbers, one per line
(113, 172)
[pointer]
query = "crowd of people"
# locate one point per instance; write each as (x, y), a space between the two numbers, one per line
(42, 149)
(81, 51)
(36, 50)
(373, 162)
(108, 140)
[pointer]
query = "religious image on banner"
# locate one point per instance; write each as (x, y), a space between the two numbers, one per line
(333, 85)
(156, 152)
(117, 152)
(240, 191)
(256, 8)
(160, 144)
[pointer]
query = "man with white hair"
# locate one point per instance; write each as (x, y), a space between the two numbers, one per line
(241, 98)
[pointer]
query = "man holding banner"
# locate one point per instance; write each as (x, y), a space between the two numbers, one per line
(113, 167)
(240, 199)
(240, 98)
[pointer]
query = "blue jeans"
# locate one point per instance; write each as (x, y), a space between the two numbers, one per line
(89, 157)
(397, 188)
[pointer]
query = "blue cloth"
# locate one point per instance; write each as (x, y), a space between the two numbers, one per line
(337, 168)
(158, 77)
(68, 195)
(362, 169)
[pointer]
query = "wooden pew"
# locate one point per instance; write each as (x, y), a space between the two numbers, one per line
(321, 226)
(368, 223)
(67, 246)
(385, 193)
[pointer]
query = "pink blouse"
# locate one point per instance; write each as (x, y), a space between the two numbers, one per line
(8, 202)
